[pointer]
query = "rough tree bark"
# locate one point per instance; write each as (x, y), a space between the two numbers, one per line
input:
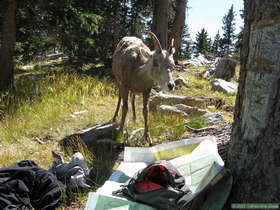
(8, 45)
(254, 153)
(160, 21)
(178, 26)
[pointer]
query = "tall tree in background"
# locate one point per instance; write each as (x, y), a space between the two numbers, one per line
(202, 42)
(139, 11)
(160, 21)
(254, 154)
(7, 44)
(186, 45)
(216, 45)
(81, 29)
(178, 26)
(110, 31)
(228, 35)
(239, 36)
(68, 25)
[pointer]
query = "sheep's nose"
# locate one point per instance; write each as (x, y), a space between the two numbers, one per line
(171, 86)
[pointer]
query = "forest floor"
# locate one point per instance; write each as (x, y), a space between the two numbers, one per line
(51, 100)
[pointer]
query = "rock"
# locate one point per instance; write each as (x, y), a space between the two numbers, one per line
(225, 68)
(191, 110)
(160, 98)
(182, 110)
(223, 86)
(104, 131)
(198, 61)
(180, 81)
(215, 118)
(211, 70)
(208, 72)
(172, 110)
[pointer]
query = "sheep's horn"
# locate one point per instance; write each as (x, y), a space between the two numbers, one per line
(155, 41)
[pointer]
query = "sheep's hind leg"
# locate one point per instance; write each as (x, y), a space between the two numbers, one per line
(124, 96)
(117, 109)
(146, 96)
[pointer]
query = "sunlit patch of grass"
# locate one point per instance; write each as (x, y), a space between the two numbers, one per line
(197, 122)
(43, 106)
(199, 87)
(166, 128)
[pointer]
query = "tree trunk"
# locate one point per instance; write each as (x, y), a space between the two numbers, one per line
(178, 26)
(254, 153)
(160, 21)
(8, 45)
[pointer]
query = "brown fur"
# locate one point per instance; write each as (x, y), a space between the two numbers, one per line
(137, 69)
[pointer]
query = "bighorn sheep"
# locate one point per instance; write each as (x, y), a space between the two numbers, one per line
(137, 69)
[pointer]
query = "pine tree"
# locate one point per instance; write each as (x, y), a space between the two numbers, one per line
(202, 42)
(216, 46)
(239, 36)
(228, 35)
(186, 47)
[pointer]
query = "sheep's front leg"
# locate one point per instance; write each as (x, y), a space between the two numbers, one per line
(117, 109)
(146, 96)
(124, 96)
(133, 106)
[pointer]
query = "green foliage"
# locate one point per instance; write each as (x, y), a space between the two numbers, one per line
(239, 36)
(48, 27)
(198, 122)
(228, 32)
(139, 14)
(216, 48)
(202, 43)
(186, 48)
(72, 24)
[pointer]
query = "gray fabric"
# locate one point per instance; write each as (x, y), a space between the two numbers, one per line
(74, 173)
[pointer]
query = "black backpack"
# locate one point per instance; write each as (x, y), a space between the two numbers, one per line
(159, 185)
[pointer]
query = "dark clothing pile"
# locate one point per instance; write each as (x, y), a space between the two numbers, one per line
(25, 185)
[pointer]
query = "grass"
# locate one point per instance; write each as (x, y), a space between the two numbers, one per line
(42, 106)
(199, 87)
